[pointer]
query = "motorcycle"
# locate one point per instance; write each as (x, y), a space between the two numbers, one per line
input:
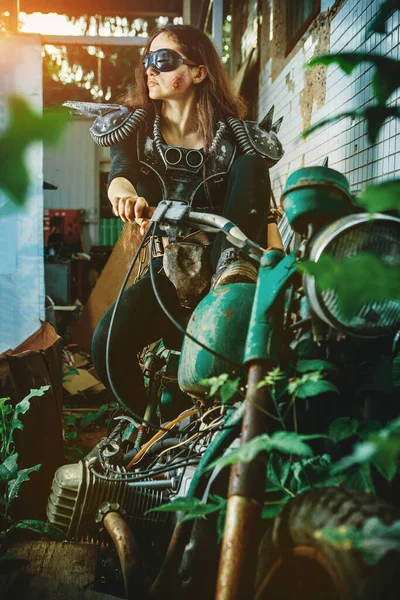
(137, 484)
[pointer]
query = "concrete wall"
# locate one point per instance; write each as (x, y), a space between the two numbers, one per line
(304, 97)
(21, 228)
(74, 167)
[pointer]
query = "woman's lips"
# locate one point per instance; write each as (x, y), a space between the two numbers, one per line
(152, 83)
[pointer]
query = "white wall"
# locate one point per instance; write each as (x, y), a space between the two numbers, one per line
(74, 167)
(346, 142)
(21, 229)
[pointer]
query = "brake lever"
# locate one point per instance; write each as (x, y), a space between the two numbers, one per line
(169, 216)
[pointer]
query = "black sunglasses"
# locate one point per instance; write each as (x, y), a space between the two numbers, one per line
(165, 60)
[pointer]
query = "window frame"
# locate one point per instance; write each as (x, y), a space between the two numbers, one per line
(290, 43)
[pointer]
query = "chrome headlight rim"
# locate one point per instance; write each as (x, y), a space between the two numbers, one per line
(317, 247)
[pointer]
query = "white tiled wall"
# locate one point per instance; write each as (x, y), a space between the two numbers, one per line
(345, 142)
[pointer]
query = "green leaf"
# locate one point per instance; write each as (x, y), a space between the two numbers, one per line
(25, 127)
(271, 378)
(67, 371)
(365, 428)
(351, 279)
(15, 484)
(386, 77)
(312, 472)
(311, 388)
(360, 479)
(342, 428)
(37, 392)
(69, 419)
(92, 417)
(221, 521)
(347, 61)
(71, 435)
(377, 25)
(381, 197)
(362, 453)
(270, 511)
(373, 541)
(214, 383)
(41, 527)
(314, 364)
(192, 507)
(290, 442)
(284, 441)
(229, 389)
(374, 115)
(382, 448)
(9, 467)
(278, 469)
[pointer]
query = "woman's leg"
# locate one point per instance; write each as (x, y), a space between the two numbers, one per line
(139, 320)
(247, 201)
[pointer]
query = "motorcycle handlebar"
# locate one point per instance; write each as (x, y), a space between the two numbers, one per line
(171, 214)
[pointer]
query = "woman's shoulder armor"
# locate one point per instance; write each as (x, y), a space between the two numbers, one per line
(113, 122)
(258, 138)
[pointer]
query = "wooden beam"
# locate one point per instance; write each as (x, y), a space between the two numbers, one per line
(187, 12)
(217, 23)
(93, 40)
(14, 16)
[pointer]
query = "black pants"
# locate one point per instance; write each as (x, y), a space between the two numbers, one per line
(140, 320)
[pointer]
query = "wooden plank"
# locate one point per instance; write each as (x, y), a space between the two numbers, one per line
(46, 570)
(107, 286)
(65, 562)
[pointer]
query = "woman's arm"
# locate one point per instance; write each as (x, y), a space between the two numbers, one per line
(128, 205)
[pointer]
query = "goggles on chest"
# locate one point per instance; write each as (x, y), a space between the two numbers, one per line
(165, 60)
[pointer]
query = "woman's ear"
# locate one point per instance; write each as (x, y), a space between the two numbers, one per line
(199, 74)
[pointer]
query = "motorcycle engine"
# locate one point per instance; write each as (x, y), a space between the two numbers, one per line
(101, 481)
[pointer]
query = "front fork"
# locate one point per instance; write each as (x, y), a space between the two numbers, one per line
(236, 576)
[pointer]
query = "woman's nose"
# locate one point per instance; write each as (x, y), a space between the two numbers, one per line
(151, 71)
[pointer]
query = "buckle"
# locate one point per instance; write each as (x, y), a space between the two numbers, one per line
(158, 247)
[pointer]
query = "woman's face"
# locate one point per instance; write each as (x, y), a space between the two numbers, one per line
(171, 84)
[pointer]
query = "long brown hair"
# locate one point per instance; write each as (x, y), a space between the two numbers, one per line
(216, 99)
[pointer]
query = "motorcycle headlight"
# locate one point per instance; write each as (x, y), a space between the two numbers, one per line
(347, 237)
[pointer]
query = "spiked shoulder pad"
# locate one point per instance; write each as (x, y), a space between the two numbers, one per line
(116, 125)
(113, 122)
(264, 142)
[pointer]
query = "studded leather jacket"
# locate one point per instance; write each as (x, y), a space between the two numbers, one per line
(158, 171)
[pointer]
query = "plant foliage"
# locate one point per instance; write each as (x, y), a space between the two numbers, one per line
(374, 540)
(11, 477)
(351, 279)
(25, 127)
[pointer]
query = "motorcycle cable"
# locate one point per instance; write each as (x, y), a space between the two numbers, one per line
(174, 321)
(122, 404)
(173, 464)
(139, 418)
(128, 477)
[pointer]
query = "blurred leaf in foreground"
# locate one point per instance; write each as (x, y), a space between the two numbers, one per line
(25, 127)
(378, 23)
(374, 115)
(386, 76)
(381, 197)
(357, 280)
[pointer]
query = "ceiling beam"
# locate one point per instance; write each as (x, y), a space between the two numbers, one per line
(93, 40)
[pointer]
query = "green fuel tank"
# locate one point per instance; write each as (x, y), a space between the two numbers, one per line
(220, 322)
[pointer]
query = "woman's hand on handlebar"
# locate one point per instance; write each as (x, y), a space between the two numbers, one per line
(133, 208)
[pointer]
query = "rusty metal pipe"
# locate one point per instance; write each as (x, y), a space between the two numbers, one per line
(245, 500)
(125, 545)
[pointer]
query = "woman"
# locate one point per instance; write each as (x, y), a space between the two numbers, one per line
(181, 140)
